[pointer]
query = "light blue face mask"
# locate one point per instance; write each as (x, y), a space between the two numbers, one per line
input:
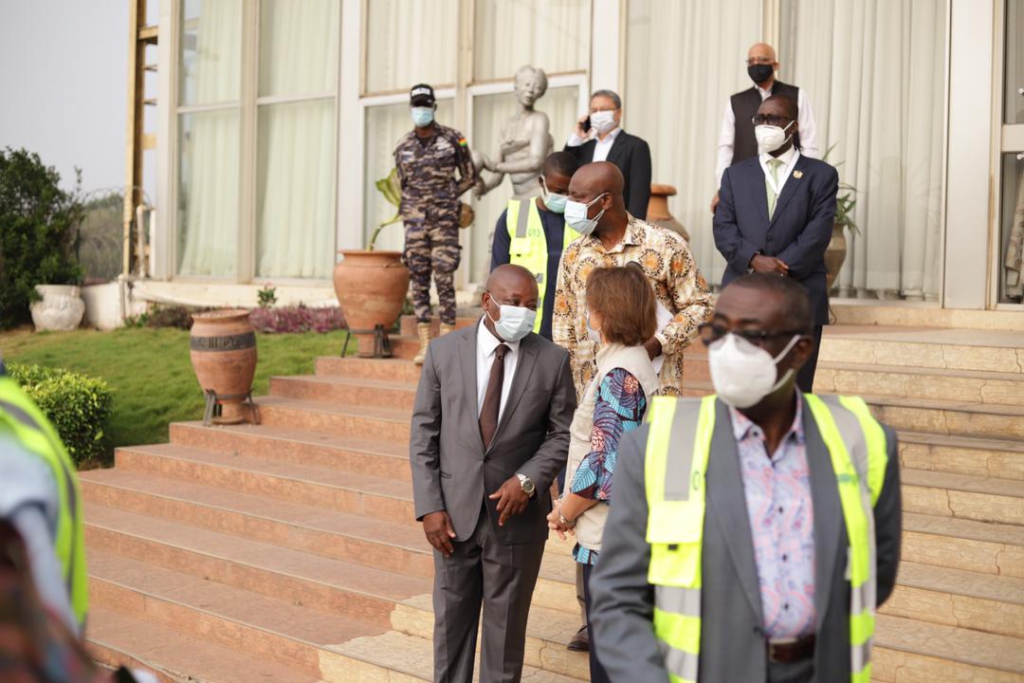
(422, 116)
(576, 216)
(554, 201)
(514, 322)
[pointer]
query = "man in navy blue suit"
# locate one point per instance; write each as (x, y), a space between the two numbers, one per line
(776, 212)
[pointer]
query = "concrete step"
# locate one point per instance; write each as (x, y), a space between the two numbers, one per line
(346, 391)
(965, 544)
(999, 458)
(954, 597)
(964, 497)
(908, 651)
(400, 602)
(924, 348)
(371, 457)
(408, 324)
(332, 647)
(115, 639)
(996, 388)
(386, 369)
(363, 422)
(950, 418)
(394, 547)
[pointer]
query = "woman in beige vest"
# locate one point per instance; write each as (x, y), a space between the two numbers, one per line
(621, 309)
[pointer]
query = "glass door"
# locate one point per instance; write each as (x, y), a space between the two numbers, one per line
(1010, 246)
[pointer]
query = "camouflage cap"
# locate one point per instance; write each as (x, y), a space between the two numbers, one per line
(422, 95)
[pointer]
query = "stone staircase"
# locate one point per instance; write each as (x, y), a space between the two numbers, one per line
(287, 552)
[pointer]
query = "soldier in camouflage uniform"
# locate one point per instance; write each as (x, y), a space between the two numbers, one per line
(427, 158)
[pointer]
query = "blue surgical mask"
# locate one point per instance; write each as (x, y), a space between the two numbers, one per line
(576, 216)
(514, 323)
(554, 201)
(422, 116)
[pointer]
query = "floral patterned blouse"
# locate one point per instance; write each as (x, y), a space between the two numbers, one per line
(619, 407)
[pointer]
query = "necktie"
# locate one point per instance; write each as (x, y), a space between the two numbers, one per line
(492, 399)
(773, 166)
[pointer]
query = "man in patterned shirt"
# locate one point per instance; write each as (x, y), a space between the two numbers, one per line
(612, 237)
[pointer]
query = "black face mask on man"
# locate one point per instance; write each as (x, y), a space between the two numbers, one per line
(759, 73)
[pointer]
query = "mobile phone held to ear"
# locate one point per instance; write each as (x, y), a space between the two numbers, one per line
(586, 125)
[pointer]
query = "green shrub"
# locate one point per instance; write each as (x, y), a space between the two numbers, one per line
(78, 406)
(38, 233)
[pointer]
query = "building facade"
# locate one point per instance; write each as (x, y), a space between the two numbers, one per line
(276, 117)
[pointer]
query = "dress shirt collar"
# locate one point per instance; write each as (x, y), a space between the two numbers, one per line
(743, 426)
(788, 158)
(487, 342)
(765, 94)
(635, 236)
(610, 138)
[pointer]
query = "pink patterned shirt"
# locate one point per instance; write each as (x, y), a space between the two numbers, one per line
(781, 513)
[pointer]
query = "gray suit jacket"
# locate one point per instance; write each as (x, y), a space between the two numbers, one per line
(452, 471)
(732, 642)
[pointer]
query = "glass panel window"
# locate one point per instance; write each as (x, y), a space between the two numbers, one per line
(385, 126)
(298, 46)
(295, 190)
(208, 193)
(1011, 262)
(211, 51)
(553, 35)
(489, 112)
(410, 42)
(1014, 92)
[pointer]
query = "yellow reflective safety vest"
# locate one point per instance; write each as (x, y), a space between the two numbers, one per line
(31, 428)
(675, 487)
(529, 245)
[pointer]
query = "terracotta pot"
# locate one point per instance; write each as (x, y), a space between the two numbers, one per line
(60, 310)
(658, 213)
(223, 350)
(835, 255)
(371, 288)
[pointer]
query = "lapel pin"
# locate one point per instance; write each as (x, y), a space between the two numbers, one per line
(798, 174)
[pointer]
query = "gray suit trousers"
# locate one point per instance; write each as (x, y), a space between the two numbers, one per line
(499, 576)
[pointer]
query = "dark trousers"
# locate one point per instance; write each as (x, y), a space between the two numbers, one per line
(597, 672)
(805, 378)
(794, 672)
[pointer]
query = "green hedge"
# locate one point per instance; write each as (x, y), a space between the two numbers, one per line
(78, 406)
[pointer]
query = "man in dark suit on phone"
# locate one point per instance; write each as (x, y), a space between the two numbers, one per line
(776, 212)
(599, 137)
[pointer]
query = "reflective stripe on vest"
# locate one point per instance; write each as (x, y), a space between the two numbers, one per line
(33, 431)
(675, 526)
(529, 246)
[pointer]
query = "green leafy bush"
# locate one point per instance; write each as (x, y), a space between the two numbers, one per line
(78, 406)
(38, 233)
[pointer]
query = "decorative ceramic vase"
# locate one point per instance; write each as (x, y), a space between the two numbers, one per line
(371, 288)
(835, 255)
(60, 310)
(223, 350)
(658, 213)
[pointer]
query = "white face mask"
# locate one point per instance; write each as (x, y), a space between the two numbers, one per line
(514, 322)
(770, 138)
(576, 216)
(742, 373)
(603, 121)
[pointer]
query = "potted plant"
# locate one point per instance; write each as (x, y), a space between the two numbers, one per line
(370, 284)
(835, 255)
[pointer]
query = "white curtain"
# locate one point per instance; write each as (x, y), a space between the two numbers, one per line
(551, 34)
(874, 70)
(410, 42)
(683, 61)
(209, 140)
(489, 111)
(296, 140)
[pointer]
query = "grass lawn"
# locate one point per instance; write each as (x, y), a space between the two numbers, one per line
(150, 372)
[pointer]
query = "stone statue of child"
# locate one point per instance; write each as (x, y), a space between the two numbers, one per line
(525, 141)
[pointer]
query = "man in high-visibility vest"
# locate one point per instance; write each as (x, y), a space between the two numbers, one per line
(532, 233)
(753, 532)
(39, 496)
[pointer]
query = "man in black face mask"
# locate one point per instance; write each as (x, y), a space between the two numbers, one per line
(736, 140)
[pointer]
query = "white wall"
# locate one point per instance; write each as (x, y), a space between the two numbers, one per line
(63, 85)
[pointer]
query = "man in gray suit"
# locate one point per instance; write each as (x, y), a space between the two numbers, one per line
(731, 520)
(490, 432)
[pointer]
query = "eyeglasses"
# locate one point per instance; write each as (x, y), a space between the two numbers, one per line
(710, 333)
(760, 60)
(762, 119)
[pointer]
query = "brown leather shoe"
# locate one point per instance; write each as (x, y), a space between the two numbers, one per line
(581, 641)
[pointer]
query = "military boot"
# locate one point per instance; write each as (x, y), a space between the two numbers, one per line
(423, 330)
(446, 328)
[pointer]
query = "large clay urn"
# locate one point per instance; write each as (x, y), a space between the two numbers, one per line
(658, 213)
(223, 350)
(835, 255)
(371, 288)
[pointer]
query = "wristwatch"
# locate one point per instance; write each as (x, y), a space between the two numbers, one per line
(566, 522)
(526, 484)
